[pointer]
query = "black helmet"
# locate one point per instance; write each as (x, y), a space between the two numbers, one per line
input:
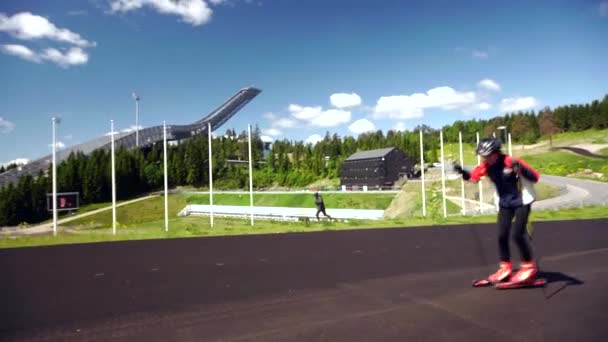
(487, 146)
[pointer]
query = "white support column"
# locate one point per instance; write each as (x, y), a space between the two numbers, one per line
(113, 181)
(166, 177)
(461, 179)
(250, 174)
(422, 174)
(210, 177)
(510, 146)
(445, 208)
(480, 183)
(54, 178)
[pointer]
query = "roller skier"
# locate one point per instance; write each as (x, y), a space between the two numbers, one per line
(514, 181)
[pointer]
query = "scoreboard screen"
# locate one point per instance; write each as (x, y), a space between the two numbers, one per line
(65, 201)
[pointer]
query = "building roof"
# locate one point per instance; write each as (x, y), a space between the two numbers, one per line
(371, 154)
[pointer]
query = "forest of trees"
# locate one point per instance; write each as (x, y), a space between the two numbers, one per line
(288, 163)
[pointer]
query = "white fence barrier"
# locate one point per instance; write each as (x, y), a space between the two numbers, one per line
(280, 213)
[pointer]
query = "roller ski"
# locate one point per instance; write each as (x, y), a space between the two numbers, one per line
(504, 279)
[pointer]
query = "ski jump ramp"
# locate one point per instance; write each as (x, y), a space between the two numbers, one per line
(279, 213)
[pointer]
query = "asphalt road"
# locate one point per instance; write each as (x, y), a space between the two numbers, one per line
(410, 284)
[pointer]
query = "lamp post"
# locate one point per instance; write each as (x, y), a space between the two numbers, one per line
(504, 128)
(113, 179)
(55, 122)
(136, 98)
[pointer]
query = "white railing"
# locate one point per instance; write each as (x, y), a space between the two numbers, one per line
(281, 213)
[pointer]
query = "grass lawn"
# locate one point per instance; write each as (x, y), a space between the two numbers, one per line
(592, 136)
(565, 163)
(603, 152)
(199, 227)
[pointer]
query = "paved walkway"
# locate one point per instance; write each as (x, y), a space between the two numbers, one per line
(411, 284)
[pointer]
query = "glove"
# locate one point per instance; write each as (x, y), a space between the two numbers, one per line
(516, 166)
(458, 168)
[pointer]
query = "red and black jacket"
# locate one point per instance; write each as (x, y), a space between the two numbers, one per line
(506, 181)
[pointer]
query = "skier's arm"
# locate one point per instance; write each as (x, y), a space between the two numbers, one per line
(522, 168)
(475, 175)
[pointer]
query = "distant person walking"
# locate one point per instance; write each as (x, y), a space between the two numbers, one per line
(320, 205)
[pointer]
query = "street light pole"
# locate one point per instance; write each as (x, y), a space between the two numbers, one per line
(113, 180)
(504, 129)
(55, 122)
(136, 98)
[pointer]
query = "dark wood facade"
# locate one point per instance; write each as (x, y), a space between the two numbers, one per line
(376, 168)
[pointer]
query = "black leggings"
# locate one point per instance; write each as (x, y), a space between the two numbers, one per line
(505, 217)
(321, 210)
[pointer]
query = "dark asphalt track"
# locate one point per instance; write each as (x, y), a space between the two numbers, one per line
(409, 284)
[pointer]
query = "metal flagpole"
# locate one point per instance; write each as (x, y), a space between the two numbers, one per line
(210, 176)
(136, 98)
(461, 179)
(479, 183)
(510, 146)
(113, 182)
(166, 182)
(422, 174)
(54, 179)
(445, 209)
(250, 175)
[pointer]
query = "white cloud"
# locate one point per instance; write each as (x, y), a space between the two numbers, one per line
(73, 56)
(316, 116)
(60, 145)
(304, 113)
(489, 84)
(285, 123)
(477, 107)
(18, 161)
(6, 126)
(313, 139)
(603, 9)
(412, 106)
(396, 107)
(272, 132)
(331, 118)
(266, 138)
(20, 51)
(479, 54)
(514, 104)
(194, 12)
(28, 26)
(343, 100)
(362, 126)
(269, 116)
(400, 126)
(482, 106)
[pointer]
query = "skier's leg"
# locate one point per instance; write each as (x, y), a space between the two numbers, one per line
(519, 232)
(318, 211)
(505, 215)
(528, 269)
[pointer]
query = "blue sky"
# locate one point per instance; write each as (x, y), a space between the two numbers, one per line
(343, 66)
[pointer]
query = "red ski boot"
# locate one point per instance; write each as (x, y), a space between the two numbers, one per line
(525, 277)
(503, 273)
(526, 274)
